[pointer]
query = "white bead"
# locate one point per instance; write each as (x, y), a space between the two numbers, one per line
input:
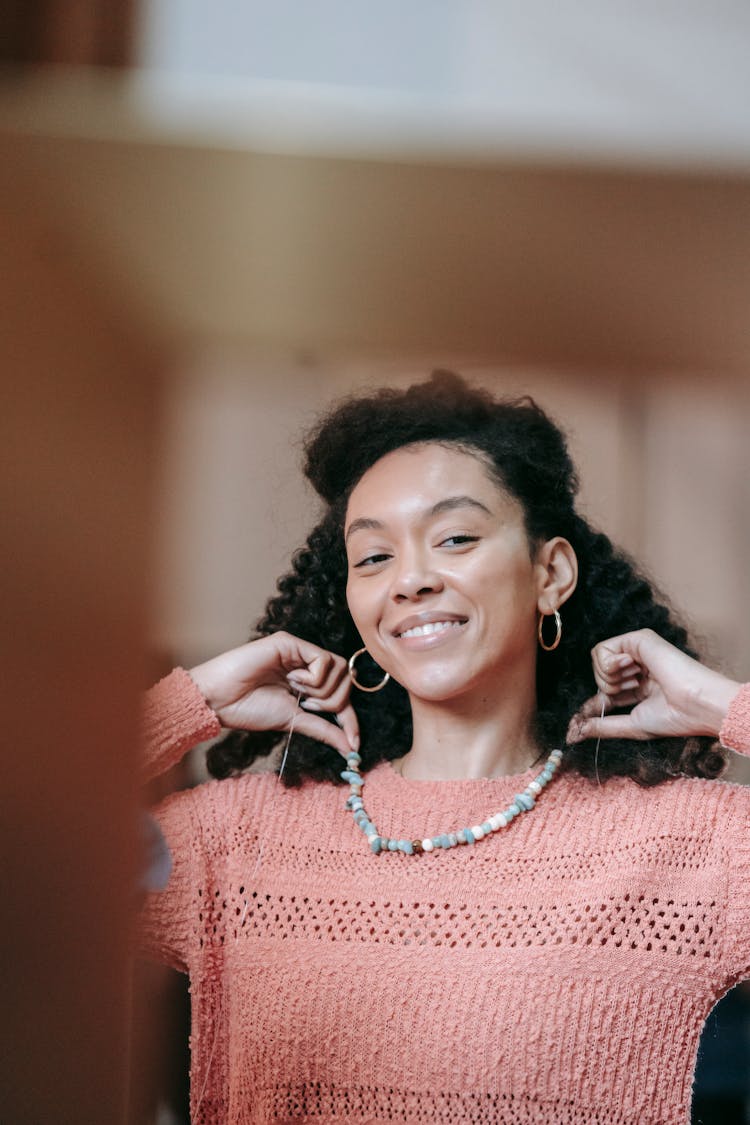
(477, 832)
(502, 818)
(427, 845)
(495, 822)
(371, 838)
(534, 787)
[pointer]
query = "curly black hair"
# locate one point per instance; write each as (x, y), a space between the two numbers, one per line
(528, 456)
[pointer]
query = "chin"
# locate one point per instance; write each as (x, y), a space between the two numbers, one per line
(436, 687)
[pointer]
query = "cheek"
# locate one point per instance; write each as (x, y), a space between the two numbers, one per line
(359, 607)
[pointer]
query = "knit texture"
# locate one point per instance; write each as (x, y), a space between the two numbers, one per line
(557, 972)
(735, 730)
(175, 717)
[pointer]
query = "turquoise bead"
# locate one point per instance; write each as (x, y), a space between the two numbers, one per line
(486, 827)
(407, 847)
(376, 844)
(525, 800)
(469, 835)
(393, 845)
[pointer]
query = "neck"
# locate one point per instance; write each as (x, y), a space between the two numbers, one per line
(483, 735)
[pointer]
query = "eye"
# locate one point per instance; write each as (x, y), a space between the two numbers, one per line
(458, 540)
(371, 560)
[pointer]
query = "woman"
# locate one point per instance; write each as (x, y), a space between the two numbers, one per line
(487, 924)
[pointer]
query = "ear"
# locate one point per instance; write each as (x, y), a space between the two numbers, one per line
(557, 573)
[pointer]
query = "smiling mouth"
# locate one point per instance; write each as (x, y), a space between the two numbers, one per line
(431, 627)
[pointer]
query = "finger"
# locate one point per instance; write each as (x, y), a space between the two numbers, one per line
(626, 698)
(630, 679)
(617, 656)
(610, 665)
(344, 714)
(611, 726)
(593, 706)
(334, 682)
(312, 673)
(642, 646)
(320, 729)
(347, 720)
(332, 696)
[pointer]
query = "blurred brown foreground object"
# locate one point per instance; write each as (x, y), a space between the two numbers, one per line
(76, 429)
(67, 31)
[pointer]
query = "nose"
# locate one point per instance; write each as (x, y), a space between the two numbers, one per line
(414, 578)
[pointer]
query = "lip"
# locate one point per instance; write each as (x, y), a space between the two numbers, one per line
(433, 617)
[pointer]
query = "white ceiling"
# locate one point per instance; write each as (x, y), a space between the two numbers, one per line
(640, 81)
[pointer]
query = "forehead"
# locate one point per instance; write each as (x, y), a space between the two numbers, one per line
(418, 476)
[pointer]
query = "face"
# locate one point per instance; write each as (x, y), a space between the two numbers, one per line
(442, 585)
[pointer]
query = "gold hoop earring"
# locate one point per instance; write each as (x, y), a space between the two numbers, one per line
(353, 677)
(558, 634)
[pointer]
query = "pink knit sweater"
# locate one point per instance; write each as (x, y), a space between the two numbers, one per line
(558, 972)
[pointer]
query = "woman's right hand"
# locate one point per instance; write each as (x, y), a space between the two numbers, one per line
(256, 687)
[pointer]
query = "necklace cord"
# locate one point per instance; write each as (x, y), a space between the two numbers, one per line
(598, 741)
(284, 757)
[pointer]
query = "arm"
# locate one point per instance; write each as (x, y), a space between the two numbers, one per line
(253, 687)
(669, 695)
(175, 717)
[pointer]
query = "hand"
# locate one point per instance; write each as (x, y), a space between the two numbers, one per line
(256, 686)
(669, 693)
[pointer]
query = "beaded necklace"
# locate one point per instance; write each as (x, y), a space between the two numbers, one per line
(521, 803)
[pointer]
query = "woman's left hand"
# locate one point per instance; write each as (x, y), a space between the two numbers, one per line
(668, 694)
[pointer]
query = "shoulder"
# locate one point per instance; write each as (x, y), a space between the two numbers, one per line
(216, 810)
(682, 803)
(716, 812)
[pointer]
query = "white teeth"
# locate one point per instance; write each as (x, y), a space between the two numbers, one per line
(430, 627)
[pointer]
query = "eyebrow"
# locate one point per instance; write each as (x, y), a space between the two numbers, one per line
(448, 505)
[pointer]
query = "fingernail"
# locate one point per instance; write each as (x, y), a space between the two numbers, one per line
(354, 741)
(311, 705)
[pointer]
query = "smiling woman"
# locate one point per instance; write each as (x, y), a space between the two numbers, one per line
(515, 924)
(389, 458)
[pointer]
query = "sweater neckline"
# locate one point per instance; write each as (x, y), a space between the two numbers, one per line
(403, 808)
(389, 779)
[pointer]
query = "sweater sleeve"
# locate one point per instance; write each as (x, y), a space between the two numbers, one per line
(736, 834)
(175, 717)
(167, 917)
(735, 730)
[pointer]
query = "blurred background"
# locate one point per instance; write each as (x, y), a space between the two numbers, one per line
(217, 217)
